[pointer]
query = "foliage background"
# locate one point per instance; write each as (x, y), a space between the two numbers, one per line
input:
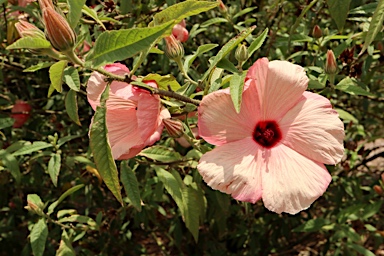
(347, 220)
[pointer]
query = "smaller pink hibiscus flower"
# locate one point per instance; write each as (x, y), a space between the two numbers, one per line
(134, 116)
(276, 147)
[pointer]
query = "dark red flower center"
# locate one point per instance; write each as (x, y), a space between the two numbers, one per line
(267, 133)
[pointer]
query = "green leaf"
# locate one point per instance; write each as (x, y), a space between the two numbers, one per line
(65, 139)
(236, 89)
(179, 11)
(121, 44)
(227, 65)
(35, 199)
(315, 84)
(56, 72)
(71, 106)
(350, 86)
(226, 49)
(74, 12)
(30, 148)
(202, 49)
(312, 225)
(80, 219)
(93, 14)
(54, 165)
(257, 43)
(38, 236)
(371, 210)
(72, 78)
(212, 21)
(65, 248)
(346, 115)
(339, 11)
(191, 211)
(161, 154)
(163, 81)
(30, 43)
(360, 249)
(131, 186)
(101, 148)
(172, 186)
(11, 164)
(69, 192)
(38, 66)
(6, 122)
(375, 26)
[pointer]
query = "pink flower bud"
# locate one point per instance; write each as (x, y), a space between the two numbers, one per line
(20, 112)
(58, 31)
(174, 49)
(330, 64)
(222, 6)
(316, 32)
(180, 32)
(174, 127)
(26, 29)
(378, 189)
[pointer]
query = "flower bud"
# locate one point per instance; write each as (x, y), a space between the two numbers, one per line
(32, 207)
(222, 7)
(378, 189)
(330, 63)
(316, 32)
(58, 31)
(241, 53)
(46, 3)
(174, 127)
(382, 177)
(26, 29)
(174, 49)
(180, 32)
(20, 112)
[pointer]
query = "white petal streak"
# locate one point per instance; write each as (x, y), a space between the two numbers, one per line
(292, 182)
(233, 169)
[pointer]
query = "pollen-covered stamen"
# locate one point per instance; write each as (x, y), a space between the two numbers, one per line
(267, 133)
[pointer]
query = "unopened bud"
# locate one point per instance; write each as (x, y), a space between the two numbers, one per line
(58, 31)
(20, 113)
(382, 177)
(378, 189)
(174, 127)
(222, 7)
(26, 29)
(316, 32)
(174, 49)
(241, 53)
(32, 207)
(180, 32)
(330, 63)
(46, 3)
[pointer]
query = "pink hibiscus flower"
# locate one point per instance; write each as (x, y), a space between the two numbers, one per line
(134, 116)
(276, 147)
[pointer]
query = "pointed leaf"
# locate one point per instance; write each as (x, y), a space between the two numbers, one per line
(71, 106)
(172, 186)
(339, 11)
(257, 43)
(349, 86)
(346, 115)
(312, 225)
(11, 164)
(131, 186)
(163, 81)
(38, 236)
(191, 217)
(93, 14)
(30, 148)
(236, 89)
(202, 49)
(38, 66)
(30, 43)
(72, 78)
(375, 26)
(161, 153)
(56, 72)
(69, 192)
(121, 44)
(54, 168)
(182, 10)
(101, 148)
(74, 13)
(6, 122)
(65, 248)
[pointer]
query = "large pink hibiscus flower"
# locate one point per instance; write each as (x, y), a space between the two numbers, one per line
(134, 116)
(276, 147)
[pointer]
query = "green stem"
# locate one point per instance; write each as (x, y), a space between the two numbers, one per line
(183, 72)
(73, 57)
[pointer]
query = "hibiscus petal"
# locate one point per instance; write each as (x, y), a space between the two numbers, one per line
(314, 129)
(218, 121)
(95, 88)
(292, 182)
(148, 113)
(280, 85)
(234, 169)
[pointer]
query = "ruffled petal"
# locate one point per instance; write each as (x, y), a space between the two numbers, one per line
(280, 85)
(314, 129)
(235, 169)
(148, 112)
(292, 182)
(95, 88)
(218, 121)
(164, 113)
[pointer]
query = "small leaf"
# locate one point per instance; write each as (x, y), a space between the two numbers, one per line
(371, 210)
(349, 86)
(56, 72)
(101, 148)
(71, 78)
(202, 49)
(161, 154)
(11, 164)
(121, 44)
(375, 26)
(65, 248)
(131, 186)
(191, 212)
(227, 65)
(183, 10)
(311, 225)
(346, 116)
(71, 106)
(339, 11)
(236, 89)
(38, 236)
(163, 81)
(80, 219)
(257, 43)
(93, 14)
(69, 192)
(30, 43)
(6, 122)
(30, 148)
(38, 66)
(74, 12)
(54, 165)
(360, 249)
(172, 186)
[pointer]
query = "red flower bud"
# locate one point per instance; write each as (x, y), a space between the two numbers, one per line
(316, 32)
(222, 7)
(330, 64)
(378, 189)
(180, 32)
(20, 112)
